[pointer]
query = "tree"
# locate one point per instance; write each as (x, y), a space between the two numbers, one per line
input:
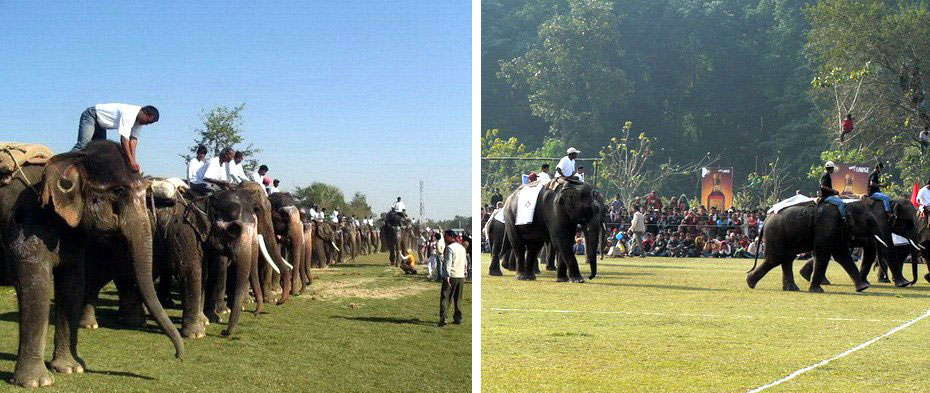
(763, 188)
(326, 196)
(629, 168)
(358, 206)
(222, 127)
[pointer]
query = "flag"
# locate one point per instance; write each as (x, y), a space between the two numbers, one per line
(914, 195)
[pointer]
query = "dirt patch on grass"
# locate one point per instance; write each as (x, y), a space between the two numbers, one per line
(360, 287)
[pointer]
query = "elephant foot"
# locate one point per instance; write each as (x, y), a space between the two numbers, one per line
(806, 271)
(561, 279)
(32, 375)
(212, 317)
(901, 283)
(202, 318)
(222, 310)
(883, 279)
(88, 322)
(68, 365)
(815, 289)
(495, 272)
(826, 282)
(927, 277)
(751, 282)
(526, 277)
(578, 279)
(790, 287)
(862, 286)
(550, 268)
(194, 330)
(283, 299)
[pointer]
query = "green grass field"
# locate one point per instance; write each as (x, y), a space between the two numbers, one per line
(692, 325)
(361, 327)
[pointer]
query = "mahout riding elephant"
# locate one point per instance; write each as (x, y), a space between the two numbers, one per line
(46, 224)
(906, 225)
(562, 206)
(290, 232)
(818, 228)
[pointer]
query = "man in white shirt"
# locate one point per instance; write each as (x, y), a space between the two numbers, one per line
(580, 173)
(126, 119)
(923, 198)
(215, 171)
(259, 175)
(335, 216)
(566, 165)
(193, 167)
(543, 175)
(452, 276)
(236, 171)
(399, 206)
(274, 188)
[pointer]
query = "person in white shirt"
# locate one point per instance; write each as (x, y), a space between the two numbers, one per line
(126, 119)
(399, 206)
(923, 198)
(566, 165)
(335, 216)
(452, 276)
(236, 171)
(274, 188)
(580, 173)
(543, 175)
(259, 175)
(193, 167)
(215, 171)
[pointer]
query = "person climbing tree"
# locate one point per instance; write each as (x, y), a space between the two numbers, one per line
(848, 126)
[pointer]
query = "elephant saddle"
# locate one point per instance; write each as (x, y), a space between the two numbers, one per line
(14, 155)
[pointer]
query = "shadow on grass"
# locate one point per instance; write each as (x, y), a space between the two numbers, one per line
(125, 374)
(673, 287)
(393, 320)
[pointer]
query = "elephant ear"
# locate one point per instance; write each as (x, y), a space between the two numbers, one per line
(62, 188)
(198, 219)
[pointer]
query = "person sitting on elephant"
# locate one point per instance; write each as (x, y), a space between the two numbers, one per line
(566, 166)
(216, 172)
(875, 193)
(543, 174)
(126, 119)
(923, 199)
(236, 171)
(193, 167)
(827, 193)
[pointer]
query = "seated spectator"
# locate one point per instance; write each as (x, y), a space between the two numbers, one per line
(660, 247)
(675, 248)
(578, 248)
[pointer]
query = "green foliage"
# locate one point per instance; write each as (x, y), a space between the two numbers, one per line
(853, 156)
(326, 196)
(358, 206)
(506, 175)
(222, 127)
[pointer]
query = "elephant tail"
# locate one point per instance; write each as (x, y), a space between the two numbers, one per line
(758, 247)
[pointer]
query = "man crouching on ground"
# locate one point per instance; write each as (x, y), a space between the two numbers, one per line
(452, 276)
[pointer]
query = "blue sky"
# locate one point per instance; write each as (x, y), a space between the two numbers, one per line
(372, 96)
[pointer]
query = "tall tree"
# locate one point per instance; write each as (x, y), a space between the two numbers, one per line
(222, 127)
(326, 196)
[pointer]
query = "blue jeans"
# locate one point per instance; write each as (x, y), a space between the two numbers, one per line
(884, 198)
(88, 129)
(835, 200)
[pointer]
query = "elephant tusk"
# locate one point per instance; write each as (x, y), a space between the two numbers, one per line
(880, 241)
(264, 250)
(916, 246)
(334, 246)
(289, 266)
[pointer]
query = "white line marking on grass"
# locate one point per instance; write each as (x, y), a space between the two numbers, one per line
(690, 315)
(849, 351)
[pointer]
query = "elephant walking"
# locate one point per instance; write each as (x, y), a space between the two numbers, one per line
(47, 222)
(818, 228)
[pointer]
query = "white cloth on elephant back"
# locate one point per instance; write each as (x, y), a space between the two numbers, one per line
(526, 202)
(499, 215)
(795, 200)
(899, 240)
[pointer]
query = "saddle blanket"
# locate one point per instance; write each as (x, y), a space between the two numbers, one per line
(499, 215)
(793, 201)
(526, 202)
(899, 240)
(167, 188)
(14, 155)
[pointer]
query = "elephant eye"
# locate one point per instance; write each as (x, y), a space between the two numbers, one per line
(120, 191)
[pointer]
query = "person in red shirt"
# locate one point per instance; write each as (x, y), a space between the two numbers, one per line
(849, 125)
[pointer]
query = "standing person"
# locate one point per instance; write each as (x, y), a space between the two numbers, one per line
(126, 119)
(828, 193)
(543, 174)
(193, 167)
(875, 191)
(497, 197)
(849, 124)
(566, 165)
(452, 275)
(236, 171)
(638, 227)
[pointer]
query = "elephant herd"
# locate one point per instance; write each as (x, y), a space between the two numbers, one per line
(84, 219)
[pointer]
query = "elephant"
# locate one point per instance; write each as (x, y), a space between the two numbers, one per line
(562, 205)
(818, 228)
(397, 236)
(261, 205)
(905, 225)
(289, 229)
(47, 221)
(349, 238)
(323, 244)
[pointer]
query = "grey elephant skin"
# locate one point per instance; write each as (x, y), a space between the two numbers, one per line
(562, 206)
(818, 228)
(45, 227)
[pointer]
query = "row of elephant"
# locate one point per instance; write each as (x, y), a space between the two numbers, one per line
(83, 219)
(566, 205)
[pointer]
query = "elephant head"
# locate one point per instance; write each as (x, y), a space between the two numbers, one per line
(584, 206)
(862, 225)
(95, 190)
(289, 228)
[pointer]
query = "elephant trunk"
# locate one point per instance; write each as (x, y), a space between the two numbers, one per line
(138, 233)
(241, 264)
(295, 230)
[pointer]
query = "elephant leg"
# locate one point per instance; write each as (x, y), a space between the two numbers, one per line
(532, 252)
(130, 302)
(33, 291)
(821, 260)
(95, 281)
(787, 276)
(772, 260)
(845, 260)
(895, 265)
(868, 258)
(255, 283)
(68, 282)
(193, 320)
(564, 248)
(165, 281)
(240, 270)
(883, 270)
(519, 252)
(915, 261)
(265, 278)
(495, 268)
(213, 290)
(561, 273)
(550, 258)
